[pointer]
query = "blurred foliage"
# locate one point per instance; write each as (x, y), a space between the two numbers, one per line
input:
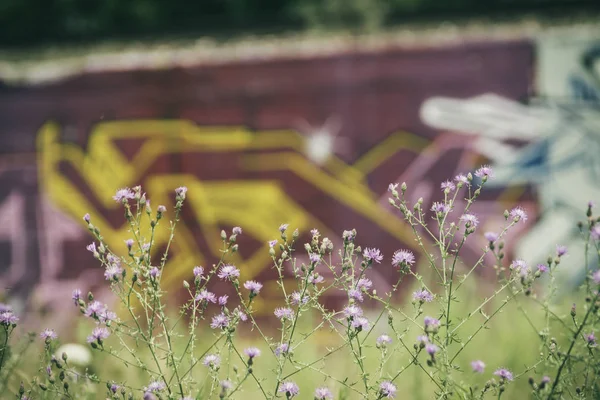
(29, 22)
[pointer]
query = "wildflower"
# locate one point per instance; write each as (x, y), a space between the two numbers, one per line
(106, 316)
(387, 389)
(518, 214)
(518, 265)
(323, 393)
(91, 248)
(504, 374)
(296, 300)
(272, 243)
(113, 272)
(349, 236)
(383, 340)
(590, 338)
(160, 209)
(289, 388)
(542, 268)
(252, 352)
(155, 386)
(373, 255)
(219, 321)
(154, 272)
(180, 193)
(212, 361)
(226, 384)
(484, 172)
(223, 300)
(114, 387)
(314, 232)
(461, 179)
(422, 340)
(5, 307)
(228, 272)
(364, 284)
(403, 258)
(431, 349)
(431, 324)
(448, 185)
(315, 278)
(353, 311)
(392, 187)
(48, 334)
(237, 230)
(87, 218)
(76, 296)
(561, 250)
(491, 236)
(238, 313)
(360, 323)
(596, 277)
(440, 208)
(123, 195)
(314, 258)
(283, 348)
(94, 309)
(253, 286)
(478, 366)
(283, 227)
(198, 271)
(422, 296)
(283, 313)
(470, 220)
(98, 335)
(545, 380)
(206, 297)
(356, 295)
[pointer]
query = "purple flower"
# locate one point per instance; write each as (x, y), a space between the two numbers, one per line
(198, 271)
(469, 220)
(518, 214)
(561, 250)
(283, 348)
(360, 323)
(206, 296)
(323, 393)
(315, 278)
(546, 380)
(91, 248)
(252, 352)
(356, 295)
(160, 209)
(431, 324)
(542, 268)
(392, 187)
(314, 258)
(226, 384)
(296, 300)
(284, 313)
(596, 277)
(353, 311)
(478, 366)
(461, 179)
(590, 338)
(283, 227)
(253, 286)
(595, 232)
(237, 230)
(422, 296)
(383, 340)
(129, 243)
(180, 193)
(238, 313)
(491, 236)
(349, 236)
(228, 272)
(98, 335)
(76, 296)
(5, 307)
(272, 243)
(48, 334)
(95, 309)
(220, 321)
(87, 218)
(373, 255)
(484, 172)
(114, 387)
(504, 374)
(387, 389)
(212, 361)
(422, 340)
(448, 185)
(314, 232)
(518, 265)
(106, 316)
(403, 258)
(364, 284)
(123, 195)
(440, 208)
(155, 386)
(223, 300)
(113, 272)
(154, 272)
(431, 349)
(289, 388)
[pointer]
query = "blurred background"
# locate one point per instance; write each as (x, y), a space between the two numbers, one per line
(295, 111)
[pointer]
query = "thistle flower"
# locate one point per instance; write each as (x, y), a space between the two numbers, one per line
(356, 295)
(364, 284)
(387, 389)
(422, 340)
(315, 278)
(392, 187)
(239, 314)
(373, 255)
(518, 214)
(283, 227)
(448, 185)
(542, 268)
(219, 321)
(314, 258)
(206, 296)
(561, 250)
(596, 277)
(353, 311)
(94, 309)
(76, 296)
(113, 272)
(155, 386)
(283, 348)
(323, 393)
(383, 340)
(484, 172)
(91, 248)
(422, 296)
(160, 209)
(98, 335)
(237, 230)
(180, 192)
(289, 388)
(491, 236)
(314, 232)
(114, 387)
(595, 232)
(461, 179)
(223, 300)
(253, 286)
(154, 272)
(431, 349)
(431, 324)
(296, 300)
(212, 361)
(283, 313)
(440, 208)
(87, 218)
(590, 338)
(349, 236)
(198, 271)
(106, 316)
(272, 243)
(470, 220)
(360, 323)
(518, 265)
(478, 366)
(48, 334)
(226, 384)
(228, 272)
(123, 195)
(252, 352)
(129, 243)
(403, 258)
(504, 374)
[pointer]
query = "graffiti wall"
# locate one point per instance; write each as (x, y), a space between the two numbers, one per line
(309, 142)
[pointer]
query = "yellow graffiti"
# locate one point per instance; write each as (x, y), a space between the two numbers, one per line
(259, 206)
